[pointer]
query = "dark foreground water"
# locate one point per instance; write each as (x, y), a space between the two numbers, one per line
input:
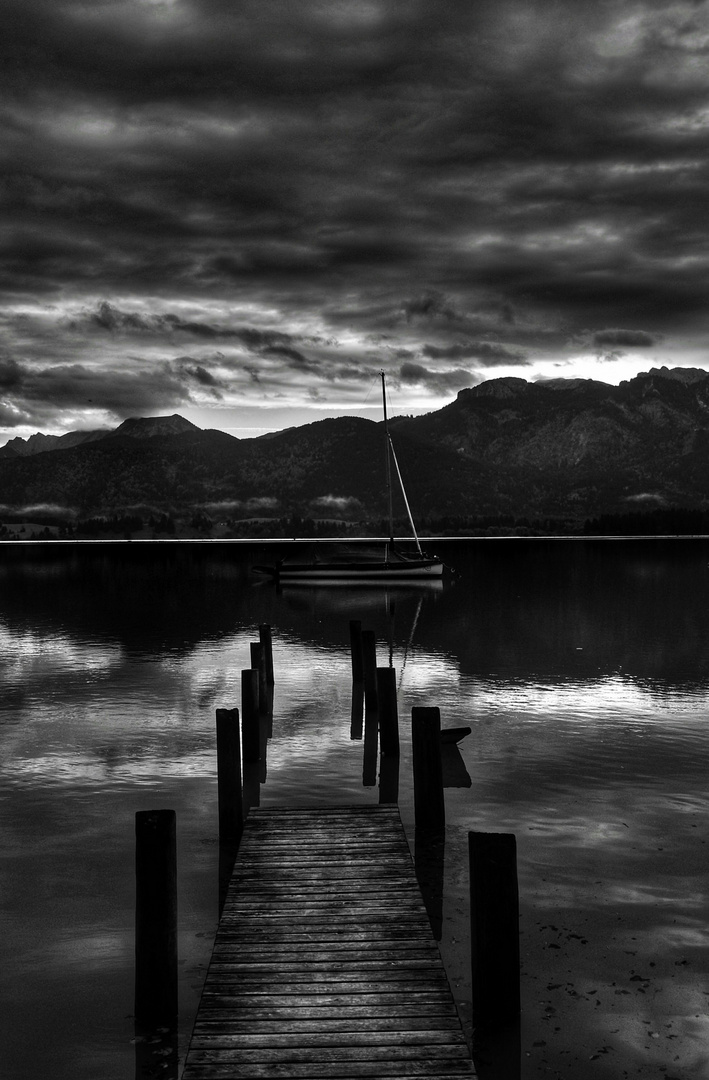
(582, 668)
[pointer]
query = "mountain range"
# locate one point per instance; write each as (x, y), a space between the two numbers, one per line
(561, 448)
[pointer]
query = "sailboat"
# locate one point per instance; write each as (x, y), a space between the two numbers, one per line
(391, 565)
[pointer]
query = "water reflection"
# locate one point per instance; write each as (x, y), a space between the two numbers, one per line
(582, 669)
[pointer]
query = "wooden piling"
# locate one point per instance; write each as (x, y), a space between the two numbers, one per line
(429, 862)
(250, 714)
(388, 780)
(429, 803)
(388, 712)
(156, 916)
(266, 641)
(369, 670)
(494, 929)
(357, 711)
(356, 650)
(258, 662)
(369, 748)
(229, 788)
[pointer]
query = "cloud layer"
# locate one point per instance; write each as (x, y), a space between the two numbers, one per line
(209, 204)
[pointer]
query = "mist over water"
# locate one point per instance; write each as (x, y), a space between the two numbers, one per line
(582, 668)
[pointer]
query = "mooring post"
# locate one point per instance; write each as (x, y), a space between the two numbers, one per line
(250, 718)
(258, 662)
(266, 641)
(357, 711)
(494, 929)
(229, 787)
(156, 916)
(429, 803)
(388, 712)
(388, 779)
(369, 670)
(356, 650)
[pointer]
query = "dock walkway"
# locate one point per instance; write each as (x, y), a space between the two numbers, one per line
(324, 965)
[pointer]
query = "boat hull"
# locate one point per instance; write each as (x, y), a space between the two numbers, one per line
(414, 570)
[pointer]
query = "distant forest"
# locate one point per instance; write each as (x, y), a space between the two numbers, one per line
(677, 521)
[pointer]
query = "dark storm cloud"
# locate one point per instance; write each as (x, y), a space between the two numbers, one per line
(638, 339)
(288, 353)
(487, 353)
(439, 380)
(498, 177)
(33, 392)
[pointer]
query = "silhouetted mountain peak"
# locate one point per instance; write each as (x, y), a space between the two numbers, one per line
(497, 388)
(40, 444)
(150, 427)
(683, 375)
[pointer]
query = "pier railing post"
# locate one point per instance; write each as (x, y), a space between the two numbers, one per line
(250, 714)
(429, 803)
(229, 786)
(156, 916)
(388, 712)
(494, 929)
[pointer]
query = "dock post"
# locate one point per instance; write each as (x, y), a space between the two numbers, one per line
(357, 710)
(429, 803)
(266, 641)
(369, 667)
(229, 789)
(258, 663)
(356, 650)
(250, 718)
(494, 930)
(388, 712)
(156, 916)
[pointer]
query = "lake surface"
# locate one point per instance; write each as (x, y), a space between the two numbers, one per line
(582, 667)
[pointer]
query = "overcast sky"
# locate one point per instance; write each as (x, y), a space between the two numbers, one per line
(242, 211)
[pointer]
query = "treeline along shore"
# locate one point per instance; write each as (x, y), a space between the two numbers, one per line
(673, 521)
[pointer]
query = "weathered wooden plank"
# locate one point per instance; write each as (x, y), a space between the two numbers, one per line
(404, 1070)
(313, 968)
(339, 1041)
(266, 1009)
(295, 1054)
(323, 983)
(324, 965)
(317, 937)
(222, 1024)
(373, 952)
(372, 998)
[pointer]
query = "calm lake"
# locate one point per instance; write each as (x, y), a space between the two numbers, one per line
(582, 667)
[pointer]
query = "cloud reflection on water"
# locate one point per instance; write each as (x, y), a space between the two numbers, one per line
(593, 756)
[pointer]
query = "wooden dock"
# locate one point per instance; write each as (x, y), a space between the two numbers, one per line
(324, 965)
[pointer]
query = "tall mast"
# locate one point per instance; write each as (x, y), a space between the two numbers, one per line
(387, 460)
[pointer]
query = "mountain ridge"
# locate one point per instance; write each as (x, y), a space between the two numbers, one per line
(553, 448)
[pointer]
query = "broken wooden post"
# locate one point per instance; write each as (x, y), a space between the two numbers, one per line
(356, 650)
(229, 788)
(429, 803)
(155, 916)
(494, 929)
(266, 641)
(388, 712)
(250, 718)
